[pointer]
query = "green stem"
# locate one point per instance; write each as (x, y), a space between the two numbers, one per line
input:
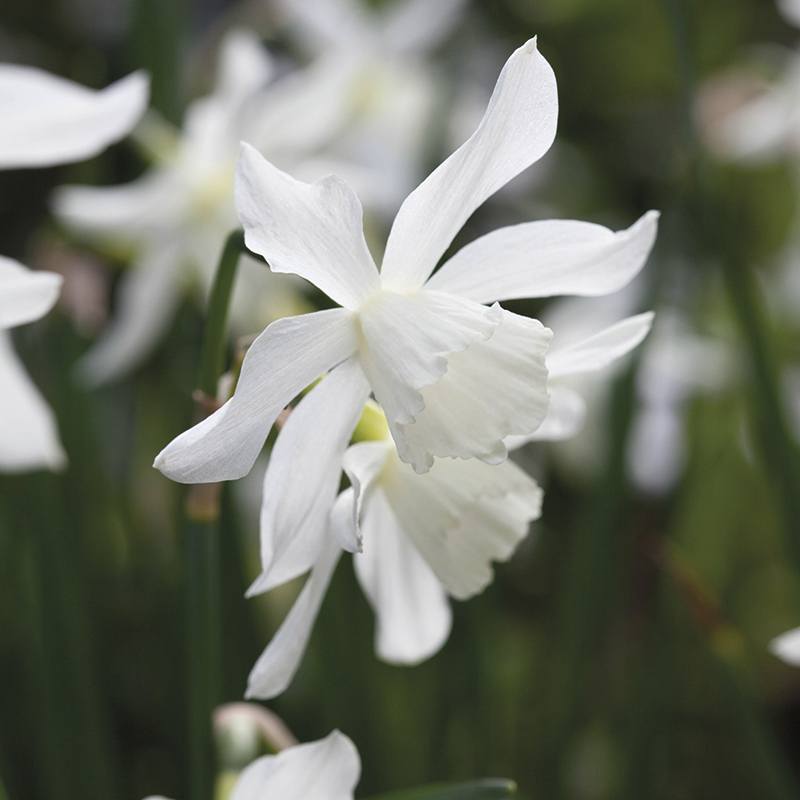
(202, 560)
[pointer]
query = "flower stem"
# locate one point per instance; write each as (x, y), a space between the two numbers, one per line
(201, 543)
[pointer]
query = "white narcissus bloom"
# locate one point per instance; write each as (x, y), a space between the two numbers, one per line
(48, 120)
(28, 435)
(328, 769)
(175, 218)
(454, 376)
(419, 538)
(394, 93)
(787, 647)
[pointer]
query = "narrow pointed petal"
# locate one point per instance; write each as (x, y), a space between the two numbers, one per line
(25, 295)
(412, 609)
(462, 515)
(518, 128)
(288, 356)
(28, 436)
(277, 665)
(147, 298)
(601, 349)
(245, 66)
(415, 26)
(325, 770)
(565, 417)
(48, 120)
(362, 463)
(787, 647)
(547, 258)
(494, 389)
(314, 230)
(303, 475)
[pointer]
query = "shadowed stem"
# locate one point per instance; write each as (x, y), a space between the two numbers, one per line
(201, 544)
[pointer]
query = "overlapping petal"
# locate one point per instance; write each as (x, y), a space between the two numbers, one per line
(518, 128)
(325, 770)
(303, 475)
(565, 417)
(48, 120)
(547, 258)
(288, 356)
(312, 230)
(25, 295)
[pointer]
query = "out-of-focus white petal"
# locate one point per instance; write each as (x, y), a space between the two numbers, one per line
(244, 66)
(312, 230)
(494, 389)
(147, 297)
(787, 647)
(28, 435)
(48, 120)
(25, 295)
(362, 463)
(325, 770)
(657, 447)
(407, 342)
(412, 610)
(326, 24)
(277, 665)
(288, 356)
(415, 26)
(462, 515)
(518, 128)
(547, 258)
(302, 478)
(565, 416)
(790, 10)
(601, 349)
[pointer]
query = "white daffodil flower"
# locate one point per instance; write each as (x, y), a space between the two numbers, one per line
(394, 92)
(48, 120)
(786, 647)
(175, 218)
(28, 435)
(455, 377)
(328, 769)
(418, 538)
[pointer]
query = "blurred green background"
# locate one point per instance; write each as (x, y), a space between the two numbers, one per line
(620, 654)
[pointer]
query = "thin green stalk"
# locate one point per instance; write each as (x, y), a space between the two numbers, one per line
(202, 561)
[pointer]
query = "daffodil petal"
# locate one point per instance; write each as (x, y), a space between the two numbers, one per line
(790, 10)
(787, 647)
(277, 665)
(48, 120)
(362, 464)
(323, 25)
(25, 295)
(518, 128)
(147, 298)
(462, 515)
(28, 435)
(547, 258)
(415, 26)
(412, 610)
(325, 770)
(303, 475)
(288, 356)
(244, 67)
(565, 417)
(312, 230)
(598, 351)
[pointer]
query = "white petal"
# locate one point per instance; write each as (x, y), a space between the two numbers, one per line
(303, 475)
(494, 389)
(601, 349)
(327, 24)
(325, 770)
(288, 356)
(362, 463)
(565, 417)
(656, 452)
(277, 665)
(314, 230)
(462, 515)
(412, 610)
(518, 128)
(28, 435)
(147, 299)
(25, 295)
(48, 120)
(790, 10)
(551, 257)
(407, 341)
(418, 25)
(244, 67)
(787, 647)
